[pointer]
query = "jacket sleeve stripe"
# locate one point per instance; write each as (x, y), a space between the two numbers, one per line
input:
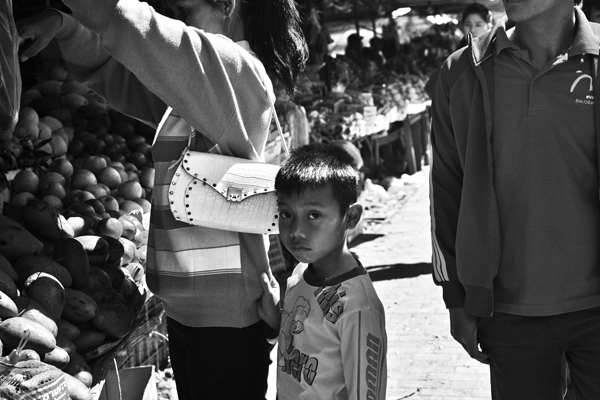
(439, 263)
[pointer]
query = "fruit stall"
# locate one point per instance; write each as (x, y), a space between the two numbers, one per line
(76, 182)
(365, 81)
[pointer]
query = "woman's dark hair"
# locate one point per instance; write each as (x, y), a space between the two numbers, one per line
(272, 27)
(479, 9)
(587, 6)
(317, 165)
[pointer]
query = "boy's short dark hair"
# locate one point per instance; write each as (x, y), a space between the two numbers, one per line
(316, 166)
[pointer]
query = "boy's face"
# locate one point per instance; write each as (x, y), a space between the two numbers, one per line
(311, 225)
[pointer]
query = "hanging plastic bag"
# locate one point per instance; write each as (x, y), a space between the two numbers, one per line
(10, 74)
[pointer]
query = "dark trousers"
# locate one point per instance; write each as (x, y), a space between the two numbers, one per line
(219, 363)
(528, 354)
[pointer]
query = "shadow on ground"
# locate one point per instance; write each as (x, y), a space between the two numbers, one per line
(365, 237)
(378, 273)
(398, 271)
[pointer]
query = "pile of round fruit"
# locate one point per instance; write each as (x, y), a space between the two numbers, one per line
(76, 181)
(72, 147)
(68, 296)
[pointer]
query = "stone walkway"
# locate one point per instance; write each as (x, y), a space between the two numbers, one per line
(424, 362)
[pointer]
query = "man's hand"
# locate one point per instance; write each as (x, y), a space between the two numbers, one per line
(41, 29)
(463, 327)
(268, 308)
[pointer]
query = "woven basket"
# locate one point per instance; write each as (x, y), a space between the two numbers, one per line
(145, 344)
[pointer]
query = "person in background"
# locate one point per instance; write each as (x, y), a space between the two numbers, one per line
(476, 20)
(591, 8)
(354, 49)
(515, 216)
(206, 71)
(332, 338)
(375, 52)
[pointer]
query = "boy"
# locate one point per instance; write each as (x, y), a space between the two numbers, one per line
(332, 339)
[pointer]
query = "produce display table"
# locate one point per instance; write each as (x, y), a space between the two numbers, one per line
(411, 127)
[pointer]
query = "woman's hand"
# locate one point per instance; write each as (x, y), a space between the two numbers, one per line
(268, 308)
(40, 29)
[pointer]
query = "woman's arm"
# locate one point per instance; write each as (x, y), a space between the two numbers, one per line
(197, 73)
(90, 63)
(269, 307)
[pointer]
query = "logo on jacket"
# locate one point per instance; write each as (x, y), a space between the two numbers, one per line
(585, 80)
(291, 360)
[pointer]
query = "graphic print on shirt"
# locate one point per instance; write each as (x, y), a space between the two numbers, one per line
(292, 361)
(583, 87)
(373, 357)
(329, 301)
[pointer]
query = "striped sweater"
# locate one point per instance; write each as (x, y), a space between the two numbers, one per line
(141, 62)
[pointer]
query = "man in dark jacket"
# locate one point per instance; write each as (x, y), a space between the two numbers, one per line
(515, 200)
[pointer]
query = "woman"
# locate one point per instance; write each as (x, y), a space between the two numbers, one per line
(477, 19)
(207, 70)
(591, 8)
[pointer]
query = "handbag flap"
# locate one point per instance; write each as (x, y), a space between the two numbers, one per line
(236, 176)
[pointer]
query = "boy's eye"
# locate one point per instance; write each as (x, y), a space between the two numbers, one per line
(284, 215)
(313, 215)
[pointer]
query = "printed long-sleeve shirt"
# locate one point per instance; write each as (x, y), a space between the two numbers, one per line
(332, 342)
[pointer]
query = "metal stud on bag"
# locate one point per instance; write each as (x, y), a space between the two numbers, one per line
(236, 194)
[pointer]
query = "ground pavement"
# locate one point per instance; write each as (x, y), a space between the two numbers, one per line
(424, 362)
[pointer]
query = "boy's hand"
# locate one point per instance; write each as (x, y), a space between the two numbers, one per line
(268, 308)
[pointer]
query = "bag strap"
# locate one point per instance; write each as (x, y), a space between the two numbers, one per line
(274, 116)
(283, 143)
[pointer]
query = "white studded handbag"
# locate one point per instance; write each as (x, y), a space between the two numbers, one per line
(226, 193)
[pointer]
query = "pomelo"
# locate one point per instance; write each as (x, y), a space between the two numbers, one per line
(130, 190)
(20, 199)
(110, 227)
(26, 181)
(110, 203)
(95, 163)
(62, 166)
(130, 205)
(83, 178)
(110, 177)
(146, 178)
(53, 201)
